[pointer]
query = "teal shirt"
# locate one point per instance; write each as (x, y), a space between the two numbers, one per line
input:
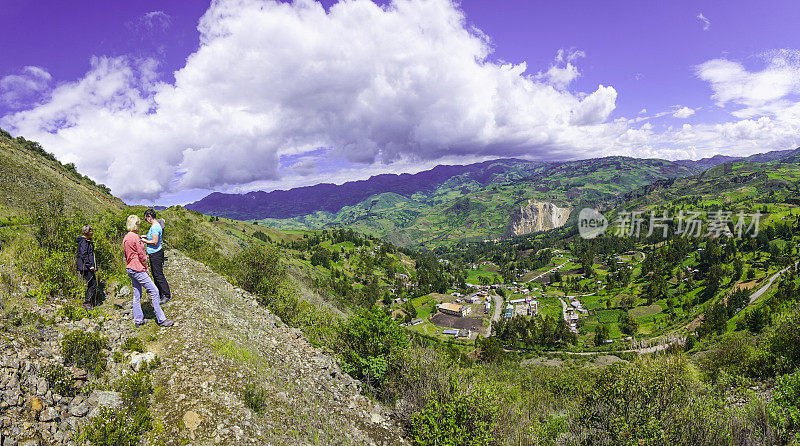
(154, 229)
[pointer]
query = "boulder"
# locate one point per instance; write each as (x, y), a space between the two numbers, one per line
(78, 374)
(191, 420)
(79, 410)
(36, 405)
(41, 387)
(49, 414)
(10, 363)
(138, 360)
(104, 398)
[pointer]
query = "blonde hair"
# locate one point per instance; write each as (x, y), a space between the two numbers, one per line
(132, 224)
(86, 230)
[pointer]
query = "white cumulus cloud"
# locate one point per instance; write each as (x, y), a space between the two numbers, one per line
(403, 82)
(562, 72)
(15, 89)
(756, 91)
(683, 113)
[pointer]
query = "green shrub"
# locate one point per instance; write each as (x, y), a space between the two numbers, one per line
(466, 420)
(732, 354)
(123, 426)
(147, 366)
(784, 409)
(134, 344)
(780, 351)
(259, 270)
(84, 350)
(135, 390)
(635, 402)
(255, 398)
(369, 344)
(55, 271)
(261, 236)
(73, 313)
(110, 428)
(51, 223)
(59, 379)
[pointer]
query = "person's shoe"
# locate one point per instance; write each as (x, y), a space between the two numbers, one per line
(164, 300)
(139, 324)
(166, 323)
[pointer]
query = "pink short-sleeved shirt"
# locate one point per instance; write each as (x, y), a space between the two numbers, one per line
(135, 254)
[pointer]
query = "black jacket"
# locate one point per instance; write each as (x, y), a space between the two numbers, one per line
(85, 257)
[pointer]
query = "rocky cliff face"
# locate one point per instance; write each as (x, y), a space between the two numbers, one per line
(537, 216)
(222, 342)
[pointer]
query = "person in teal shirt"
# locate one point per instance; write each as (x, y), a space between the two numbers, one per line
(155, 252)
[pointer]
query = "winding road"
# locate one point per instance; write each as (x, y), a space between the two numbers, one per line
(764, 288)
(547, 272)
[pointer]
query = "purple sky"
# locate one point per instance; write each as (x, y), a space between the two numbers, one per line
(276, 97)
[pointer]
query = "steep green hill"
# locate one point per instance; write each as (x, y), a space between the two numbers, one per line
(211, 376)
(29, 174)
(731, 186)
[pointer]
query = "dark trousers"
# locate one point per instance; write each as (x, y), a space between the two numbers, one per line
(91, 286)
(157, 268)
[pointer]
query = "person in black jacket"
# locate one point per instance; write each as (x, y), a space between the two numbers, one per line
(86, 264)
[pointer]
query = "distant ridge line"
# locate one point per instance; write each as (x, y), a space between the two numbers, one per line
(332, 198)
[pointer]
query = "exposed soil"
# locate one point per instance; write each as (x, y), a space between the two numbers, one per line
(462, 323)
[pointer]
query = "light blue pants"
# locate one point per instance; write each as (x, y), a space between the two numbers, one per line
(139, 279)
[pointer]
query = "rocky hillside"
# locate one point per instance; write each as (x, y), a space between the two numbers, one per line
(223, 347)
(535, 216)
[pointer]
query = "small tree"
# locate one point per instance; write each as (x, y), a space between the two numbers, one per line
(601, 335)
(369, 345)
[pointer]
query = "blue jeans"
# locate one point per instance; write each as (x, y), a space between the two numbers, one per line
(139, 279)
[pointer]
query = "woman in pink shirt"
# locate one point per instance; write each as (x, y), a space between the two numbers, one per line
(136, 266)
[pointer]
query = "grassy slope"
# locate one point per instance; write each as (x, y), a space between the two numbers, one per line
(734, 185)
(770, 188)
(26, 178)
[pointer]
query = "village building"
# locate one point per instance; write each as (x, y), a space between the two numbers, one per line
(454, 309)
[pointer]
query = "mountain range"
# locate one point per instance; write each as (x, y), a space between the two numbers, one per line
(488, 200)
(326, 197)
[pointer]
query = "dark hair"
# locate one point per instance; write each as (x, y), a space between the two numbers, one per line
(149, 213)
